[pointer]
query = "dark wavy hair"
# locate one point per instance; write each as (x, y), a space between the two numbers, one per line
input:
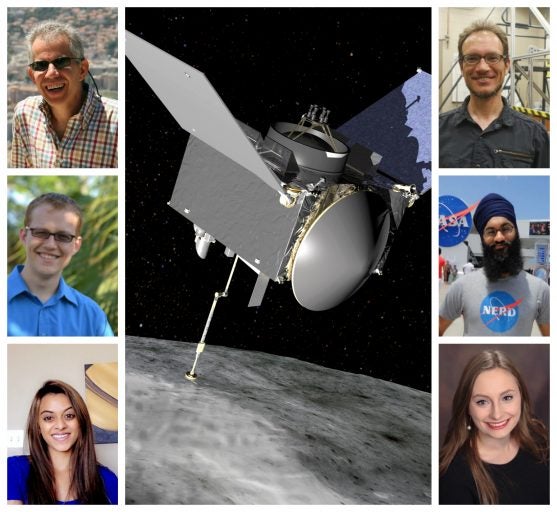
(86, 482)
(530, 433)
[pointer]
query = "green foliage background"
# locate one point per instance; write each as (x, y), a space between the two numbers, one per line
(94, 269)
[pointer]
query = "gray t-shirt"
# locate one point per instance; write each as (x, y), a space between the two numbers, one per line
(506, 307)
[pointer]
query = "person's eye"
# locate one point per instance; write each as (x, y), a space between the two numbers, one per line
(70, 416)
(47, 418)
(508, 398)
(472, 59)
(481, 402)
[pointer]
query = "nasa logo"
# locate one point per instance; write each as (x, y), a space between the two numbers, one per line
(499, 311)
(455, 221)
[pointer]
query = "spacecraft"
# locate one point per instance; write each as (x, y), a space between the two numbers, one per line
(303, 204)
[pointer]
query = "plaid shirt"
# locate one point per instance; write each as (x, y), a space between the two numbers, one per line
(90, 139)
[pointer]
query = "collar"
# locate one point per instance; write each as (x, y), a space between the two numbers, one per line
(506, 278)
(85, 112)
(506, 117)
(17, 286)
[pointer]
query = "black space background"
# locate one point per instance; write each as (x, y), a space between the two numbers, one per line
(268, 65)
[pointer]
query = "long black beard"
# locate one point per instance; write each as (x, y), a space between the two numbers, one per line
(496, 264)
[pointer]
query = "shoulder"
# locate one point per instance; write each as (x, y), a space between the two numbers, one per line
(458, 466)
(14, 277)
(18, 473)
(109, 106)
(88, 304)
(110, 103)
(456, 485)
(86, 313)
(30, 103)
(534, 281)
(467, 280)
(110, 481)
(526, 120)
(18, 468)
(446, 116)
(19, 462)
(107, 474)
(473, 278)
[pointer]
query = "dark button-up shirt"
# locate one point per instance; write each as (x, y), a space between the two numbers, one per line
(512, 140)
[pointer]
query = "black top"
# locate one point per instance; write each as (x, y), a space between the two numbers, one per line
(522, 481)
(512, 140)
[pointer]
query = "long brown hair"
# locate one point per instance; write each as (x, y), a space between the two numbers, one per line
(86, 482)
(530, 433)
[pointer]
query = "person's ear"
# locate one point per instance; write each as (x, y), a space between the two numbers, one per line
(83, 69)
(31, 75)
(77, 245)
(22, 235)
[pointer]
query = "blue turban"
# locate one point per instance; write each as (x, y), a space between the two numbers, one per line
(493, 205)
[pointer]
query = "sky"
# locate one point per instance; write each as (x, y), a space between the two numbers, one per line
(528, 194)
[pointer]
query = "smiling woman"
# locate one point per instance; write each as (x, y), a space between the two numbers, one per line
(495, 450)
(62, 467)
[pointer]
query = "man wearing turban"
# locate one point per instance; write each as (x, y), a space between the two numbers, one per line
(501, 299)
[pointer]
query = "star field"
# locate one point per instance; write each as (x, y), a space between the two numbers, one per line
(268, 65)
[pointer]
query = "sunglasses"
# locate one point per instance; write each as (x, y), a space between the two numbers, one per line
(59, 63)
(44, 234)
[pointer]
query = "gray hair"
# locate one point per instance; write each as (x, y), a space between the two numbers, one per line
(49, 30)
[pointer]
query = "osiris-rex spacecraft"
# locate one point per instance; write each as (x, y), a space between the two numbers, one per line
(305, 204)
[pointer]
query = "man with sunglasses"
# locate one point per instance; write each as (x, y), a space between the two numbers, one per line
(500, 299)
(68, 125)
(484, 131)
(40, 303)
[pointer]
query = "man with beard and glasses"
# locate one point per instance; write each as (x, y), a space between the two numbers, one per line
(501, 299)
(484, 131)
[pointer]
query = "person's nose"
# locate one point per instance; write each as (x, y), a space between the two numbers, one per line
(50, 241)
(499, 237)
(495, 411)
(51, 72)
(60, 423)
(482, 65)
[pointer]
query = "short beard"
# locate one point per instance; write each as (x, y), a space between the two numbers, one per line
(486, 95)
(497, 264)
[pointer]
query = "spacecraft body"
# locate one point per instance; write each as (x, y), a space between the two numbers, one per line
(304, 203)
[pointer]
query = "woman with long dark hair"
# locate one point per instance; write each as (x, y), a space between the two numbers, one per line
(495, 451)
(62, 466)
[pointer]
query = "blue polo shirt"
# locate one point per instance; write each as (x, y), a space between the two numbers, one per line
(67, 313)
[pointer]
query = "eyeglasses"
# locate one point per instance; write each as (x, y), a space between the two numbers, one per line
(59, 63)
(44, 234)
(506, 230)
(490, 58)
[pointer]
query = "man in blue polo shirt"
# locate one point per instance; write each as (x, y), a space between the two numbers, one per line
(40, 303)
